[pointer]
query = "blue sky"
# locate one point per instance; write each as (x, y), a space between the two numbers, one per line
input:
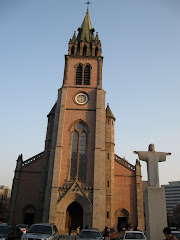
(141, 74)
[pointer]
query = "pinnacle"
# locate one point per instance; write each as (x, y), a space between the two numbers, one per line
(109, 112)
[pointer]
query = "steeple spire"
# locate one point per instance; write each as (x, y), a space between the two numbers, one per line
(86, 31)
(85, 43)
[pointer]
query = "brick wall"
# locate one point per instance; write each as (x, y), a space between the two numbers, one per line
(28, 189)
(125, 192)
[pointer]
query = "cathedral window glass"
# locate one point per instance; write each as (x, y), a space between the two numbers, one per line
(79, 153)
(82, 158)
(74, 155)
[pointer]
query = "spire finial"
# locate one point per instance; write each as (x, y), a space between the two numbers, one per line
(88, 2)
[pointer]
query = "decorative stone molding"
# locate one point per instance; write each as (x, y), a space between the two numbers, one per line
(73, 194)
(93, 58)
(86, 192)
(122, 212)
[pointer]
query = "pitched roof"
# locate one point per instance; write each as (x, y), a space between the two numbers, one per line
(52, 112)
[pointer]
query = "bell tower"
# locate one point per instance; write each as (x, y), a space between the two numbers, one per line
(76, 173)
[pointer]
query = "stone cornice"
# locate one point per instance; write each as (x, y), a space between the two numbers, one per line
(82, 109)
(85, 57)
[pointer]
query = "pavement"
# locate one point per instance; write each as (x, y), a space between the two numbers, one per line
(73, 236)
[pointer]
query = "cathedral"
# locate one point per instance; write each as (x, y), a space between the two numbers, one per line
(78, 179)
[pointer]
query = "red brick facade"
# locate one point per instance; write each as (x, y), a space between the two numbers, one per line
(125, 192)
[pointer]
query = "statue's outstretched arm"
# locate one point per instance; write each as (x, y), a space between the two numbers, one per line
(142, 155)
(135, 152)
(167, 154)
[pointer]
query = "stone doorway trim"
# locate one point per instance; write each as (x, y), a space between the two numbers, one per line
(31, 210)
(75, 193)
(120, 212)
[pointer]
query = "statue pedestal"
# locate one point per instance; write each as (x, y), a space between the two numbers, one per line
(155, 212)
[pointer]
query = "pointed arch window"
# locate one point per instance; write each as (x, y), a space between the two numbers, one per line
(78, 163)
(79, 75)
(83, 74)
(74, 155)
(87, 75)
(82, 157)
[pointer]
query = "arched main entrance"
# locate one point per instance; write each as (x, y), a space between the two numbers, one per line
(29, 213)
(121, 219)
(74, 216)
(73, 209)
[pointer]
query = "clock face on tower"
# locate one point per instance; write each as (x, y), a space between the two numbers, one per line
(81, 98)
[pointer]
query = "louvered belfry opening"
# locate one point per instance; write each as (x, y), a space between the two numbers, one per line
(79, 75)
(87, 75)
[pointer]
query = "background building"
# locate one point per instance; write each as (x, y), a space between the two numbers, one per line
(172, 194)
(176, 215)
(5, 194)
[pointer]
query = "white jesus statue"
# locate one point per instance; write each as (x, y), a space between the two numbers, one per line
(152, 158)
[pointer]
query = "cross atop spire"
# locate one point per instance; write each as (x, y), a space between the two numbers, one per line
(88, 2)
